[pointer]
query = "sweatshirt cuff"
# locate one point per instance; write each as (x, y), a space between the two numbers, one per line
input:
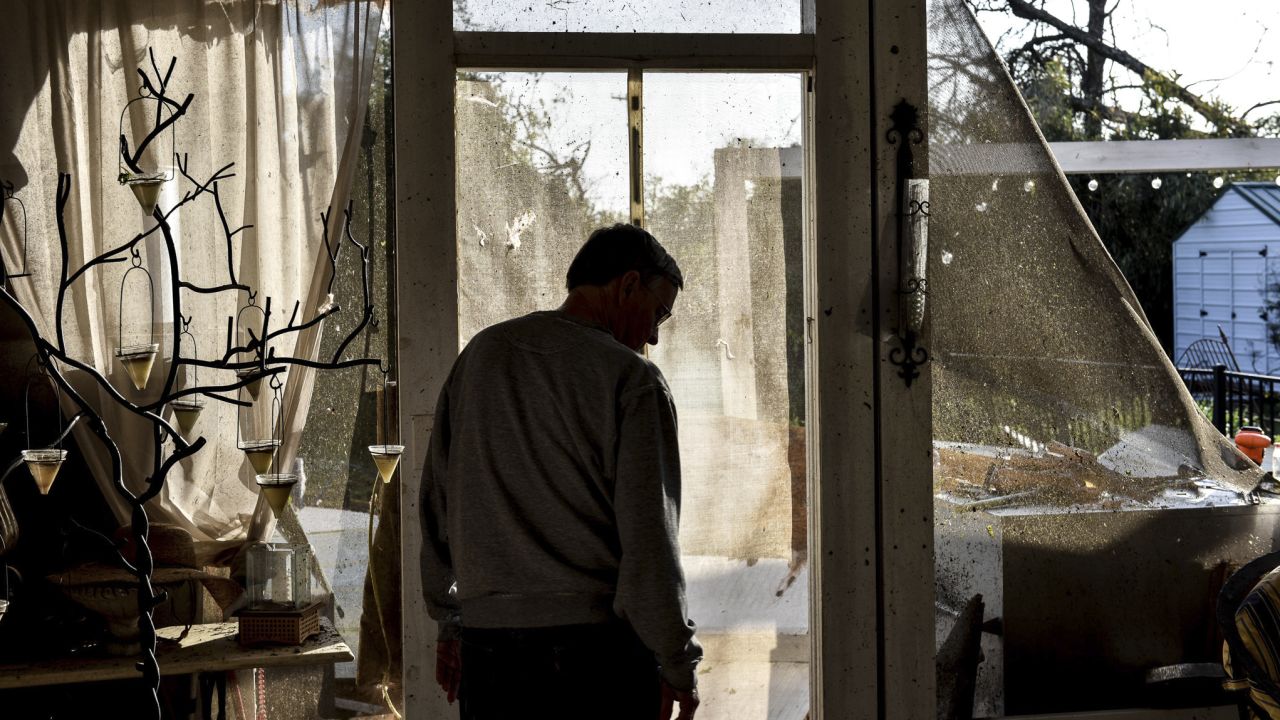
(449, 628)
(681, 673)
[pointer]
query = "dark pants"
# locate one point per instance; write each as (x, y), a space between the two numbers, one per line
(570, 672)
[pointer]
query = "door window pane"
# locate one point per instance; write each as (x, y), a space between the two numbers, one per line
(669, 16)
(723, 192)
(541, 161)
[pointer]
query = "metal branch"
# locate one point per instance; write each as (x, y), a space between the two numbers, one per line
(226, 229)
(177, 110)
(156, 482)
(368, 304)
(120, 400)
(54, 357)
(202, 187)
(298, 328)
(110, 255)
(211, 290)
(64, 193)
(327, 365)
(332, 252)
(209, 392)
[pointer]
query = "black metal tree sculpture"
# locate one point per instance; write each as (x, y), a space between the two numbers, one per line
(253, 360)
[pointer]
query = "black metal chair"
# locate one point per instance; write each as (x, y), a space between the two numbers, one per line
(1205, 353)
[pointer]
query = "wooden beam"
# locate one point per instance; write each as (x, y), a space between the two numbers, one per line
(1116, 156)
(1133, 156)
(904, 461)
(842, 352)
(609, 51)
(427, 295)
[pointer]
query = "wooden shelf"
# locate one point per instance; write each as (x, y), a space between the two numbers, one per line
(207, 648)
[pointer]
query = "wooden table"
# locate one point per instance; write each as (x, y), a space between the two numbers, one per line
(207, 648)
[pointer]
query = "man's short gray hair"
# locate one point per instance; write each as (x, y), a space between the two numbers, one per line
(615, 250)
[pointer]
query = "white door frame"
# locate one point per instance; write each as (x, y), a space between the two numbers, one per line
(871, 533)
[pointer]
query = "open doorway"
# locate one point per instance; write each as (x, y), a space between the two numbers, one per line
(543, 159)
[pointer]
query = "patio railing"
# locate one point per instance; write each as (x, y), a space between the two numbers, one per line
(1233, 400)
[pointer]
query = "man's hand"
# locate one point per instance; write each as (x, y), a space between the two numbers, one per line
(449, 667)
(688, 700)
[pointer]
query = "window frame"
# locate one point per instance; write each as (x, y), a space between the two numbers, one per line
(871, 578)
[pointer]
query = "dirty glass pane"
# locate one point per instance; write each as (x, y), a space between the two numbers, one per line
(1086, 513)
(542, 161)
(345, 416)
(629, 16)
(723, 192)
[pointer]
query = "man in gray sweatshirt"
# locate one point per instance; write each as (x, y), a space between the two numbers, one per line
(550, 505)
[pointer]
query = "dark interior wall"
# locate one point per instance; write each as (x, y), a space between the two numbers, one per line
(40, 620)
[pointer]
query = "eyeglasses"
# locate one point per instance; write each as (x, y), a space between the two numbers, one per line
(665, 315)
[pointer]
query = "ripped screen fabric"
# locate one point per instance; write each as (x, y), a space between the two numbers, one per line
(1050, 389)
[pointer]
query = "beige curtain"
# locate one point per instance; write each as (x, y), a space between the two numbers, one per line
(280, 89)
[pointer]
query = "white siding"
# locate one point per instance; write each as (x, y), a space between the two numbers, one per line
(1220, 278)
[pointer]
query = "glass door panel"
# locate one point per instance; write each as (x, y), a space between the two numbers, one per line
(542, 160)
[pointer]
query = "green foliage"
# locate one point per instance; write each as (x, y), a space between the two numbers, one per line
(1045, 87)
(1137, 222)
(1138, 225)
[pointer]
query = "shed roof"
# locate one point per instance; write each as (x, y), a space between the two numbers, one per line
(1263, 195)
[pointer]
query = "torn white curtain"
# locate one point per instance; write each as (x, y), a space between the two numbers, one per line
(280, 90)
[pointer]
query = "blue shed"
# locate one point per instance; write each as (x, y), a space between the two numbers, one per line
(1222, 265)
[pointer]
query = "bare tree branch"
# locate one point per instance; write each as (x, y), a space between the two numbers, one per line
(1255, 106)
(1210, 112)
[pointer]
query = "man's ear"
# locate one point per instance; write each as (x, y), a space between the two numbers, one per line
(628, 282)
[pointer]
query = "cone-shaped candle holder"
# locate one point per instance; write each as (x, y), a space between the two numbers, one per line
(138, 361)
(277, 487)
(186, 411)
(253, 385)
(387, 458)
(260, 454)
(44, 464)
(146, 188)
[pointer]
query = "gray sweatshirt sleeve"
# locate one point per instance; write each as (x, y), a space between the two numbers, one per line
(651, 589)
(437, 563)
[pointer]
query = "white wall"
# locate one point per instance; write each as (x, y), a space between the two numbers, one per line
(1230, 278)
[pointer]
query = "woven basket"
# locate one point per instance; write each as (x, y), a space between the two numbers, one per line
(279, 627)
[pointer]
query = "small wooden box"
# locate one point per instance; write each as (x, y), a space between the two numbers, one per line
(279, 627)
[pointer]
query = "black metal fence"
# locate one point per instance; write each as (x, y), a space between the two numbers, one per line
(1233, 400)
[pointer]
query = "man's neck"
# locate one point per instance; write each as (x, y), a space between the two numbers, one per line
(588, 305)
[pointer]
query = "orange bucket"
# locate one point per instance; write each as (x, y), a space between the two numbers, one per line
(1252, 442)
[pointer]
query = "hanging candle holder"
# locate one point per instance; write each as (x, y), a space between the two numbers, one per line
(145, 184)
(186, 409)
(386, 457)
(43, 462)
(242, 335)
(137, 359)
(275, 487)
(9, 197)
(261, 451)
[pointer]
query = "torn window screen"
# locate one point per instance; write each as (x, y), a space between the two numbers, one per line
(1077, 488)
